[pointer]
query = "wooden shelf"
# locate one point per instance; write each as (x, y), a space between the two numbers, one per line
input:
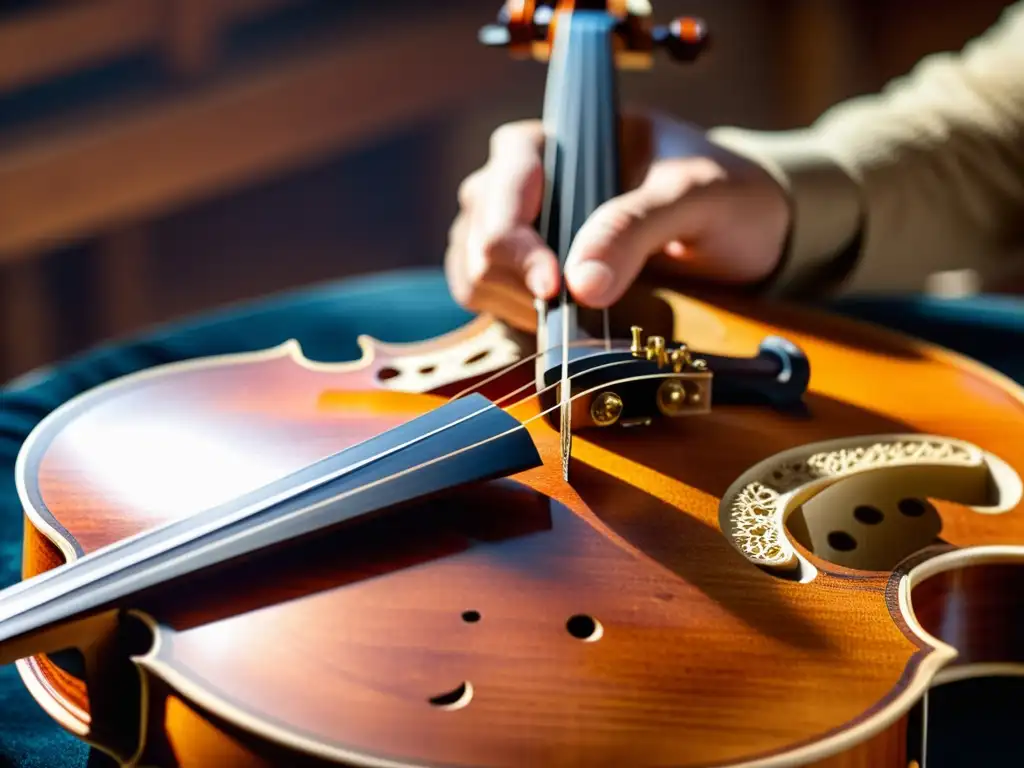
(143, 160)
(216, 117)
(52, 40)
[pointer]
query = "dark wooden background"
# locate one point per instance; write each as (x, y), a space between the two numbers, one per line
(163, 157)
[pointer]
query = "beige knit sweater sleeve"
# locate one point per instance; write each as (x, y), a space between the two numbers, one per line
(924, 177)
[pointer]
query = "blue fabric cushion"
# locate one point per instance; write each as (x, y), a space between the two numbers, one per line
(397, 307)
(988, 328)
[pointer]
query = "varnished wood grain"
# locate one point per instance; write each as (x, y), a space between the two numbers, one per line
(979, 610)
(188, 737)
(703, 659)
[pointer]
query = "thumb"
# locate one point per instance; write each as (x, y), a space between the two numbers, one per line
(616, 241)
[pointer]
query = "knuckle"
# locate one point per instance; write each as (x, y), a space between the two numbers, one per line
(469, 188)
(619, 218)
(532, 171)
(614, 232)
(503, 134)
(477, 267)
(464, 298)
(515, 133)
(461, 293)
(687, 176)
(457, 231)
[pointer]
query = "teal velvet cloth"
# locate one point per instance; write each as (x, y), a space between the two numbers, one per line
(405, 306)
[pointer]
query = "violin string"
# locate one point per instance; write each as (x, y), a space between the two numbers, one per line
(571, 150)
(586, 160)
(397, 475)
(511, 367)
(924, 730)
(11, 593)
(521, 425)
(14, 589)
(549, 387)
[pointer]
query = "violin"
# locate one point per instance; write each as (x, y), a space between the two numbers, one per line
(690, 530)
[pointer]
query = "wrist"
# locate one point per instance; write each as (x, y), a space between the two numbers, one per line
(825, 208)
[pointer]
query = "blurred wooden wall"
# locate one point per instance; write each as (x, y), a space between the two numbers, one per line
(163, 157)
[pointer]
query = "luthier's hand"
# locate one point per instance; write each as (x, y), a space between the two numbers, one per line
(694, 207)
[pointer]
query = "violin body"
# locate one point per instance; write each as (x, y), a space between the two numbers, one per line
(605, 557)
(640, 614)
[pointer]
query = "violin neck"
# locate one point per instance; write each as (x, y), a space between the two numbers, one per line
(581, 160)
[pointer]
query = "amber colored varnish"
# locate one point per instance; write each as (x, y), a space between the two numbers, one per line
(697, 658)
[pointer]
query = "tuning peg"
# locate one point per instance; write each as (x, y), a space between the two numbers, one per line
(520, 23)
(685, 38)
(495, 36)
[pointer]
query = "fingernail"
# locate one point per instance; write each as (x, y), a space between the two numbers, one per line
(591, 280)
(539, 284)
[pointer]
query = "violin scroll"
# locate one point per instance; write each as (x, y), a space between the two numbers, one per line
(526, 28)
